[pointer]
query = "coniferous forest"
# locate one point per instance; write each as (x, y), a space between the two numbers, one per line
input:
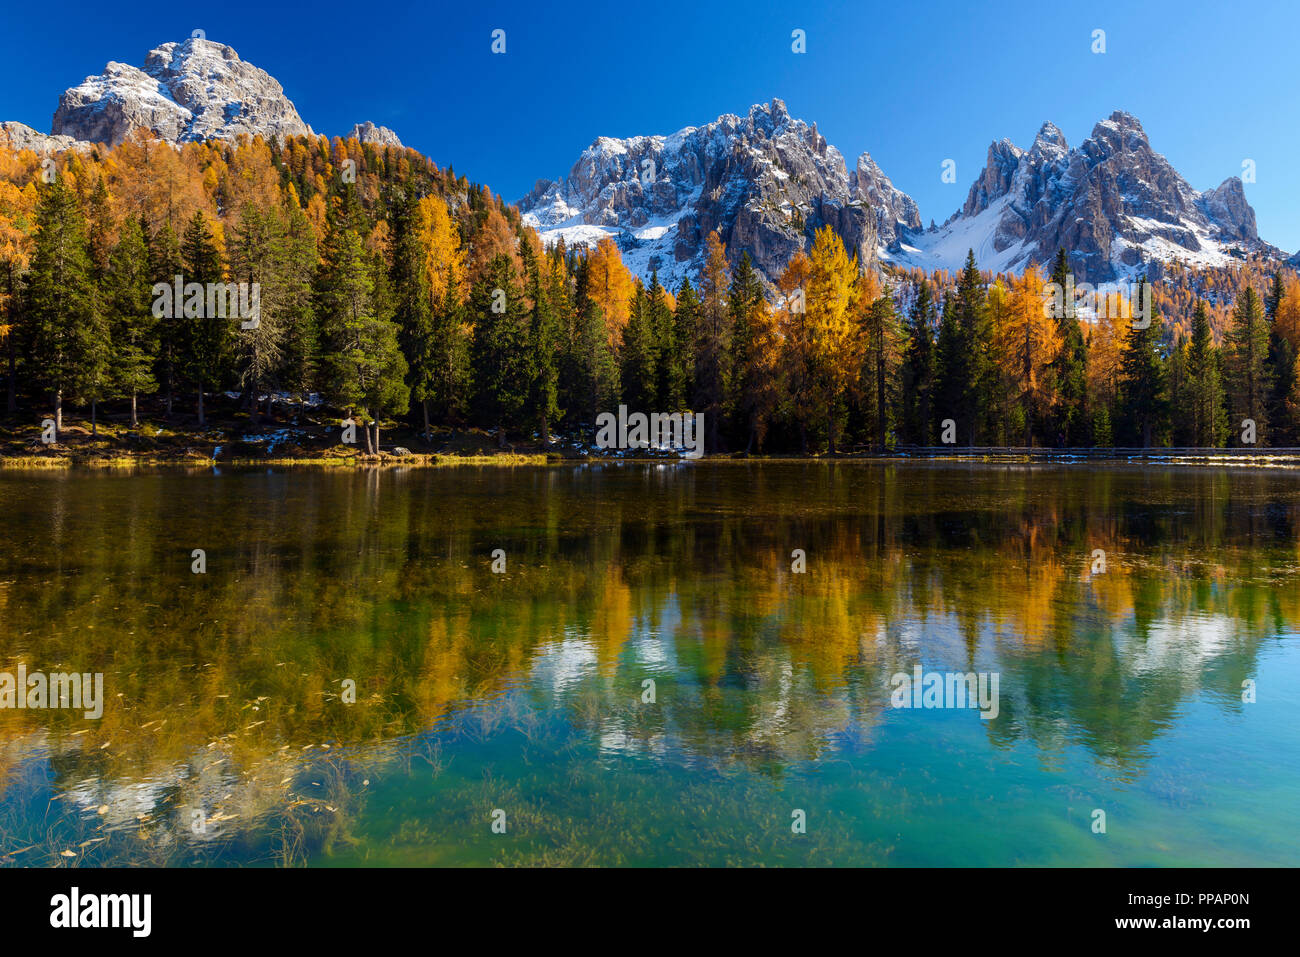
(402, 295)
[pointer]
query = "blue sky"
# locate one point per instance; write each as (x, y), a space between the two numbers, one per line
(913, 83)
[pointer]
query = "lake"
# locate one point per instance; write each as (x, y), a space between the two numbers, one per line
(646, 664)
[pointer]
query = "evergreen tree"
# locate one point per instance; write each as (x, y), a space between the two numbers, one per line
(918, 369)
(1142, 387)
(686, 325)
(639, 356)
(964, 368)
(133, 327)
(296, 276)
(1070, 367)
(751, 373)
(365, 371)
(502, 367)
(205, 339)
(1283, 407)
(164, 266)
(544, 346)
(1247, 379)
(67, 351)
(1209, 418)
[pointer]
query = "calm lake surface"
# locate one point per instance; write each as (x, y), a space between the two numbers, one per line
(229, 735)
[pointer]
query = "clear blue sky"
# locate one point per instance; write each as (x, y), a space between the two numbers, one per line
(913, 83)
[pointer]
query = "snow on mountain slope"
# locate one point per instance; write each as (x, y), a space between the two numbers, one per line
(1116, 206)
(765, 182)
(193, 90)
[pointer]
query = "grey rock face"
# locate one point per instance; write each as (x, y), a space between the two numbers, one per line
(1114, 204)
(897, 215)
(368, 132)
(765, 182)
(19, 136)
(194, 90)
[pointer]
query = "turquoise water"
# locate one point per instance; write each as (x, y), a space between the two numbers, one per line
(229, 735)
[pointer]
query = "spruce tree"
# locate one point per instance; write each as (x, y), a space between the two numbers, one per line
(205, 339)
(1247, 379)
(1209, 417)
(129, 305)
(1142, 386)
(502, 366)
(918, 369)
(66, 346)
(1070, 367)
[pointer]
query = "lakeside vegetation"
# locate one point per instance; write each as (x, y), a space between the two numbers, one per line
(400, 294)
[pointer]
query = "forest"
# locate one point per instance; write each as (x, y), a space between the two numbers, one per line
(396, 292)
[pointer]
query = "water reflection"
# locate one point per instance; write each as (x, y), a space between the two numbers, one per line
(229, 736)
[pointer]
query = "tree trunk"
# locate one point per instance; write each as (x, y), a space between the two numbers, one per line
(11, 402)
(58, 413)
(546, 432)
(424, 407)
(376, 436)
(135, 421)
(370, 449)
(201, 419)
(94, 419)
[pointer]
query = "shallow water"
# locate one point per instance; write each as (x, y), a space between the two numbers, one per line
(227, 736)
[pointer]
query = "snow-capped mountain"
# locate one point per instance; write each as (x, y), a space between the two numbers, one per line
(189, 91)
(1114, 204)
(194, 90)
(765, 182)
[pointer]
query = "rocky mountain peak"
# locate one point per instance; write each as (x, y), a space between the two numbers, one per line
(764, 181)
(1113, 203)
(193, 90)
(368, 132)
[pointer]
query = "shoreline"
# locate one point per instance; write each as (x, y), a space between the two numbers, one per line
(1184, 457)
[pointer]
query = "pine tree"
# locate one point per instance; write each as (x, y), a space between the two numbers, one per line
(754, 348)
(502, 367)
(133, 327)
(544, 347)
(1070, 368)
(1209, 417)
(296, 275)
(164, 266)
(1247, 379)
(414, 305)
(880, 335)
(1283, 404)
(638, 358)
(918, 369)
(964, 369)
(670, 385)
(686, 325)
(365, 371)
(1143, 396)
(61, 301)
(713, 342)
(205, 339)
(744, 301)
